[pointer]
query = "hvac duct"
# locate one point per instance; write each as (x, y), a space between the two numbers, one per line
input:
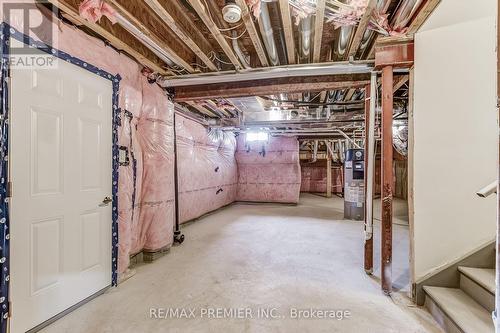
(266, 30)
(305, 39)
(238, 51)
(344, 38)
(403, 14)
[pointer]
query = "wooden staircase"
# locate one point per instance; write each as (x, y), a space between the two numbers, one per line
(466, 309)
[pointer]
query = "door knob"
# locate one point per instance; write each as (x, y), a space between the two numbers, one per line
(106, 201)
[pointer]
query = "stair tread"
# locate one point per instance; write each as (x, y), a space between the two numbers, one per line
(485, 277)
(462, 309)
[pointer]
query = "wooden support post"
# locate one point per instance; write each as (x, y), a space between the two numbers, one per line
(368, 215)
(328, 175)
(387, 178)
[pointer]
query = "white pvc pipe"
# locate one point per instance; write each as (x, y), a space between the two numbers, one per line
(371, 159)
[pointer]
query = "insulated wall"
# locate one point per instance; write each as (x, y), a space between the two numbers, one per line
(455, 133)
(207, 170)
(156, 136)
(145, 196)
(268, 171)
(314, 178)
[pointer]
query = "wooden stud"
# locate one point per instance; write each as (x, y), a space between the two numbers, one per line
(208, 21)
(400, 81)
(252, 32)
(361, 29)
(179, 31)
(157, 40)
(114, 41)
(423, 12)
(318, 30)
(328, 175)
(288, 31)
(387, 178)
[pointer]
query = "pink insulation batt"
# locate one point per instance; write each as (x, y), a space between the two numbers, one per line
(138, 99)
(314, 179)
(268, 172)
(207, 170)
(156, 136)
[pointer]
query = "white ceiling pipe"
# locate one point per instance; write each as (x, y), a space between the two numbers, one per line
(370, 172)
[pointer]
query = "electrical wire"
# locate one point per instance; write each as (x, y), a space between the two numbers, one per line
(214, 56)
(238, 37)
(211, 19)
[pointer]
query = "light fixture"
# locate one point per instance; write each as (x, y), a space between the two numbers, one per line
(231, 12)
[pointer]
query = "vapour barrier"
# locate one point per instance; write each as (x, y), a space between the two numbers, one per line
(268, 171)
(314, 179)
(135, 100)
(207, 169)
(156, 136)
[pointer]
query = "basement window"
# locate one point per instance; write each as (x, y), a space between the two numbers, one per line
(257, 136)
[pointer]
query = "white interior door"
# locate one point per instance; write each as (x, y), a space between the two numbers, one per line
(61, 170)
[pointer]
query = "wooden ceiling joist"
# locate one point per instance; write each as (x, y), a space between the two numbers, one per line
(423, 12)
(399, 81)
(361, 29)
(214, 30)
(273, 86)
(318, 30)
(119, 44)
(252, 32)
(288, 31)
(171, 22)
(169, 52)
(201, 109)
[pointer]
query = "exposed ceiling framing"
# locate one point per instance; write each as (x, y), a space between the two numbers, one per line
(191, 36)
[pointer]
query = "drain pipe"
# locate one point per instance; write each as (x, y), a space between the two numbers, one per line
(266, 30)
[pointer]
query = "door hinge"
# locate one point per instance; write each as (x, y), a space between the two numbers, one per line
(9, 189)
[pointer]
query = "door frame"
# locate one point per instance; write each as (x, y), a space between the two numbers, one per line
(6, 32)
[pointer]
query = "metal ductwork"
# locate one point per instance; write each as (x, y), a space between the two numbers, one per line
(403, 14)
(344, 38)
(266, 30)
(238, 51)
(305, 28)
(381, 8)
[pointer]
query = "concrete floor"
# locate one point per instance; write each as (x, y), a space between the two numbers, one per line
(257, 257)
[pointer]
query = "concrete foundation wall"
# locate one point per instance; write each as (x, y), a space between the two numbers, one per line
(455, 133)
